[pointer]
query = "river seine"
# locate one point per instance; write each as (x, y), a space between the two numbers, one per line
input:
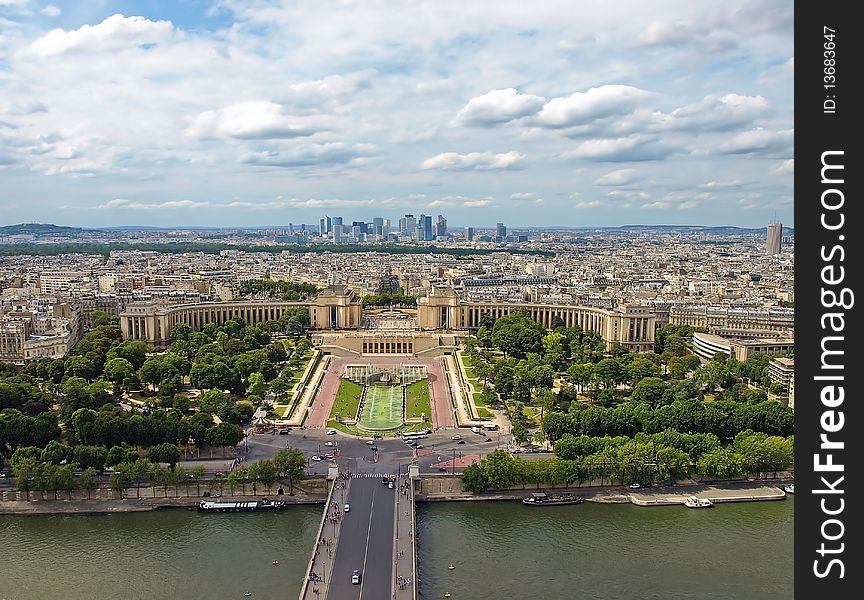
(500, 550)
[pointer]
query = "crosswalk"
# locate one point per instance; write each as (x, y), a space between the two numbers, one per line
(372, 475)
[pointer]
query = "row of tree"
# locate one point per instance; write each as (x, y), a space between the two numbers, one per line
(33, 474)
(625, 461)
(723, 418)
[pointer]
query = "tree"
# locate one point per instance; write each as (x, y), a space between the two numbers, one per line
(79, 366)
(256, 384)
(291, 463)
(610, 372)
(500, 469)
(224, 435)
(64, 478)
(650, 390)
(24, 470)
(118, 370)
(517, 334)
(89, 480)
(640, 368)
(151, 371)
(520, 433)
(474, 479)
(165, 453)
(266, 473)
(120, 480)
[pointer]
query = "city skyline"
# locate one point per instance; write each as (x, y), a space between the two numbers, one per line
(240, 114)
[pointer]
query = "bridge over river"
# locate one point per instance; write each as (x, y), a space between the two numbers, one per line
(374, 537)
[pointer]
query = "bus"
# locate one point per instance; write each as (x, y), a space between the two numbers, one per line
(415, 435)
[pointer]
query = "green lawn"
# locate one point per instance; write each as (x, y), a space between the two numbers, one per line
(417, 400)
(347, 400)
(382, 408)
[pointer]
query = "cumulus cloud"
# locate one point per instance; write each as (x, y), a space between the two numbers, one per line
(255, 120)
(626, 149)
(597, 103)
(759, 141)
(787, 166)
(498, 106)
(115, 32)
(617, 177)
(122, 203)
(50, 11)
(682, 33)
(720, 112)
(330, 154)
(477, 161)
(526, 197)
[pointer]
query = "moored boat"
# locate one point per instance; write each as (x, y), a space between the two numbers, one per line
(694, 502)
(541, 499)
(789, 488)
(263, 505)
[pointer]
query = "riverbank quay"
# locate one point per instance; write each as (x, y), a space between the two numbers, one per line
(106, 500)
(125, 505)
(449, 489)
(717, 494)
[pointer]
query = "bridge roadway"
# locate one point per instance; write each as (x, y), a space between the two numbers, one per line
(365, 542)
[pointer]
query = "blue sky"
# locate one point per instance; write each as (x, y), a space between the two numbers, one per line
(265, 112)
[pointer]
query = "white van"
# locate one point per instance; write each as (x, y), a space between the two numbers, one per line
(475, 430)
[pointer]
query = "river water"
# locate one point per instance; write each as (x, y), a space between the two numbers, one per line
(500, 550)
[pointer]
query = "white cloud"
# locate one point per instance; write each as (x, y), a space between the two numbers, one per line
(624, 149)
(617, 177)
(121, 203)
(526, 197)
(50, 11)
(254, 120)
(478, 161)
(597, 103)
(115, 32)
(720, 112)
(477, 202)
(309, 155)
(498, 106)
(759, 141)
(787, 166)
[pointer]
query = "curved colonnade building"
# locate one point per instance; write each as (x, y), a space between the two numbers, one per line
(337, 308)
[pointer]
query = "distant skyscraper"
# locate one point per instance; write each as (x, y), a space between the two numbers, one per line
(378, 225)
(322, 228)
(337, 221)
(407, 225)
(469, 234)
(419, 233)
(329, 225)
(428, 232)
(356, 230)
(385, 228)
(775, 237)
(337, 232)
(441, 227)
(500, 230)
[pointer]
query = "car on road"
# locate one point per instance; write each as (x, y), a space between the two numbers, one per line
(456, 437)
(461, 442)
(328, 443)
(418, 446)
(390, 485)
(374, 448)
(355, 577)
(285, 431)
(370, 442)
(442, 469)
(635, 486)
(331, 432)
(347, 508)
(328, 456)
(316, 458)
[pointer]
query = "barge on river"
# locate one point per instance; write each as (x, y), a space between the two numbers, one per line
(541, 499)
(263, 505)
